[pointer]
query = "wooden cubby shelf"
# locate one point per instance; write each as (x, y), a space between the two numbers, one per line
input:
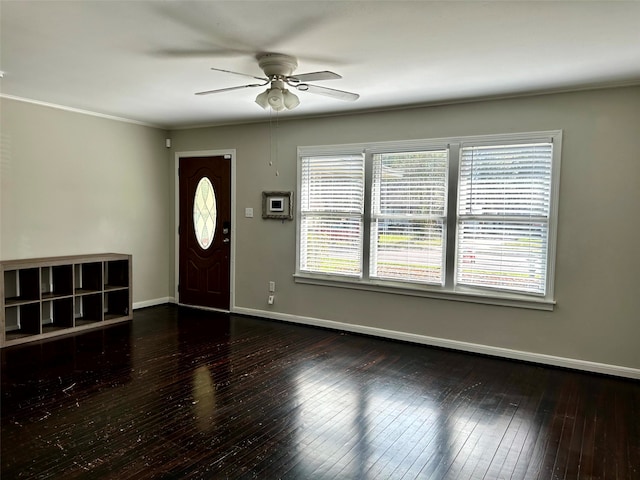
(44, 297)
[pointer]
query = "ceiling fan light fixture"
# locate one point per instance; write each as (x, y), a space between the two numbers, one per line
(291, 101)
(262, 99)
(275, 98)
(278, 99)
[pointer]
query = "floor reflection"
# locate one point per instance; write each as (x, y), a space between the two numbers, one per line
(373, 424)
(377, 427)
(204, 358)
(204, 398)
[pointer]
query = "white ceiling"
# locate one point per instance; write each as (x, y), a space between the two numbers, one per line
(144, 60)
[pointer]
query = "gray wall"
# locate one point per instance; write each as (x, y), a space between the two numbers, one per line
(72, 184)
(597, 289)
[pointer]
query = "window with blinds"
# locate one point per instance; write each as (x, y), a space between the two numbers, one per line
(503, 216)
(409, 194)
(331, 210)
(467, 218)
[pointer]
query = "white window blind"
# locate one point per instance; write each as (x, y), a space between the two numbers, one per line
(331, 210)
(504, 196)
(467, 218)
(408, 202)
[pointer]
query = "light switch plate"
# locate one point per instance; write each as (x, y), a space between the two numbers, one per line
(248, 212)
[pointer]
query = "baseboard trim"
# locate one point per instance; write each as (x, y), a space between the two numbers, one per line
(153, 303)
(541, 358)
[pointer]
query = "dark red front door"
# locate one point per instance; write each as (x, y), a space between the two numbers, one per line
(205, 231)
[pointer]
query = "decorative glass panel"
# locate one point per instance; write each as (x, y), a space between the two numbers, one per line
(204, 213)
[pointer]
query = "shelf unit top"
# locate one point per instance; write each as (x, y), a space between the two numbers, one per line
(53, 261)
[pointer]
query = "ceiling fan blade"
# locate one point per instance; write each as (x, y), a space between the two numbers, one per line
(228, 89)
(328, 92)
(241, 74)
(314, 76)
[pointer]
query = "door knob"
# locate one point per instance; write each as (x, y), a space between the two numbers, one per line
(226, 240)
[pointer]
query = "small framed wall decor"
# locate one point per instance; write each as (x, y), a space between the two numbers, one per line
(277, 205)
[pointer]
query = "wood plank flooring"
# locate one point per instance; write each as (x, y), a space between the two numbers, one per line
(181, 393)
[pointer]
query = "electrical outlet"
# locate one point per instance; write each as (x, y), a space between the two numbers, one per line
(271, 299)
(272, 286)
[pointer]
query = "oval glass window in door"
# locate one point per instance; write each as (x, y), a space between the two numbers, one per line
(204, 213)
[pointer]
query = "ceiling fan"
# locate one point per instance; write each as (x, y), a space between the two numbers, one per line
(278, 70)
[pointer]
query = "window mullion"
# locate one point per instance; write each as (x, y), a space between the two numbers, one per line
(451, 215)
(367, 214)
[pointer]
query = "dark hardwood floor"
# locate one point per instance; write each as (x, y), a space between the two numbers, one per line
(180, 393)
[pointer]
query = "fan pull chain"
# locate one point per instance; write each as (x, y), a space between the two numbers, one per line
(270, 138)
(273, 132)
(277, 127)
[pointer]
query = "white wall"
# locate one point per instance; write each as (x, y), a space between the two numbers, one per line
(597, 317)
(72, 184)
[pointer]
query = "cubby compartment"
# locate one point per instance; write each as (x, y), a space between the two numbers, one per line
(43, 297)
(21, 286)
(88, 309)
(116, 274)
(116, 304)
(22, 321)
(56, 281)
(57, 314)
(12, 319)
(88, 277)
(10, 279)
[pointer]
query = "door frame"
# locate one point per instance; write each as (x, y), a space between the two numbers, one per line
(176, 220)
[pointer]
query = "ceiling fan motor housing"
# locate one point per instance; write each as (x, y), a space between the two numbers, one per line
(277, 64)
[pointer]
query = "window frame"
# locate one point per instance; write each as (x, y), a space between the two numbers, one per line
(449, 291)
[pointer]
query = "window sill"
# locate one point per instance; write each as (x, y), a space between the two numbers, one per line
(460, 294)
